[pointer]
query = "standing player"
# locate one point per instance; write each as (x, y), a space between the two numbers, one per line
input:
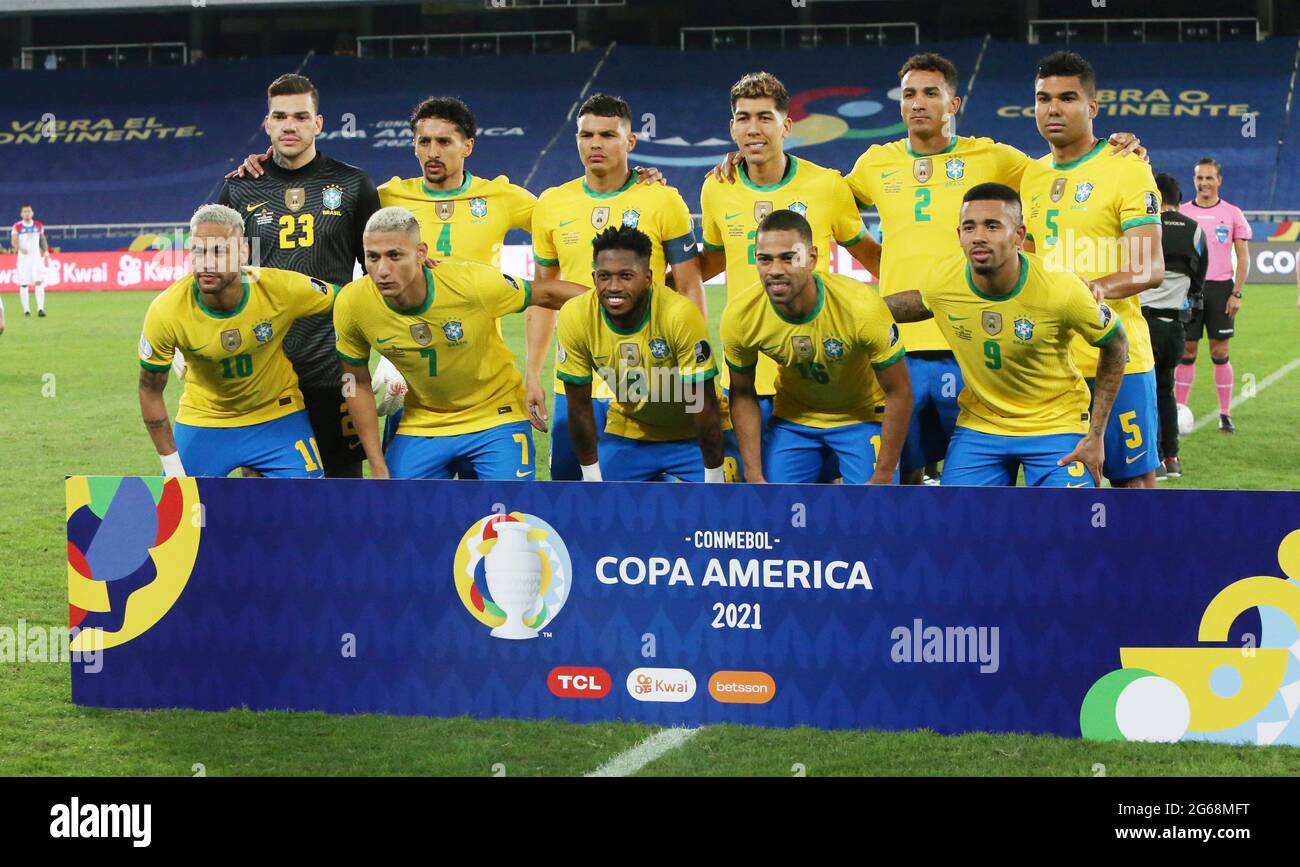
(1097, 215)
(772, 180)
(1227, 234)
(916, 185)
(28, 241)
(565, 221)
(651, 347)
(1010, 322)
(465, 403)
(306, 214)
(241, 406)
(839, 388)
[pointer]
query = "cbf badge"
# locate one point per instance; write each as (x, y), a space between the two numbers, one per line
(421, 333)
(295, 198)
(922, 169)
(631, 217)
(803, 346)
(332, 197)
(992, 322)
(478, 207)
(1058, 189)
(600, 217)
(230, 339)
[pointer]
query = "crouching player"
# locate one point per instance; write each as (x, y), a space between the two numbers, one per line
(839, 387)
(650, 345)
(464, 405)
(1009, 322)
(241, 406)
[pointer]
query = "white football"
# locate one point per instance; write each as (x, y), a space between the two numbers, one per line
(389, 386)
(1185, 419)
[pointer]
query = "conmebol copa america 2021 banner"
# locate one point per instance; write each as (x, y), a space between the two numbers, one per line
(1103, 614)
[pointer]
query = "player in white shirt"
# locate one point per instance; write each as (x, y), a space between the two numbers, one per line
(28, 241)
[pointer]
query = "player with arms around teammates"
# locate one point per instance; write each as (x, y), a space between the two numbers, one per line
(241, 407)
(840, 390)
(1011, 323)
(565, 221)
(1097, 215)
(307, 212)
(438, 326)
(651, 347)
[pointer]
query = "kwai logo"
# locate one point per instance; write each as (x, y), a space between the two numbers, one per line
(661, 684)
(513, 574)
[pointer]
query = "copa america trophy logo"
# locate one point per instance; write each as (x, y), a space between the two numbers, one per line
(513, 574)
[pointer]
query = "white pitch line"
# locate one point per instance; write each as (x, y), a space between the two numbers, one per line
(632, 760)
(1213, 417)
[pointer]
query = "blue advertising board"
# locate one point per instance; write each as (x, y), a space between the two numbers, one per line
(1109, 614)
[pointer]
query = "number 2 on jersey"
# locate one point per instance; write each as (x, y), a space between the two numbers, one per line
(922, 202)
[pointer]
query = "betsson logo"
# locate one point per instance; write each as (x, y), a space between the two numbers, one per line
(661, 684)
(574, 681)
(742, 687)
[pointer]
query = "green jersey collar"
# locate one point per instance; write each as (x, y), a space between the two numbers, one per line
(645, 317)
(1065, 167)
(446, 194)
(791, 167)
(907, 145)
(631, 179)
(418, 309)
(817, 308)
(224, 314)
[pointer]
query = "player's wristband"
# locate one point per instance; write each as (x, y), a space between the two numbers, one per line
(591, 473)
(714, 475)
(171, 464)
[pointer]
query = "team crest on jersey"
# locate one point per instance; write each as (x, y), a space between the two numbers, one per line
(955, 169)
(421, 333)
(1024, 329)
(992, 322)
(331, 197)
(761, 210)
(659, 347)
(295, 198)
(600, 217)
(230, 339)
(834, 348)
(1083, 191)
(631, 217)
(478, 207)
(630, 354)
(1058, 189)
(1153, 204)
(922, 169)
(1221, 234)
(803, 346)
(454, 332)
(262, 331)
(444, 210)
(799, 208)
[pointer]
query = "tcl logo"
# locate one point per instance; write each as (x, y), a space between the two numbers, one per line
(574, 681)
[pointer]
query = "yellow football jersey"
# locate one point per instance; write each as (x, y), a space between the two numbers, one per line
(649, 368)
(918, 199)
(569, 216)
(1014, 351)
(468, 223)
(236, 374)
(731, 214)
(1076, 213)
(460, 374)
(825, 362)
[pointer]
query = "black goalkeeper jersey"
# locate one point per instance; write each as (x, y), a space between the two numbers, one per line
(307, 220)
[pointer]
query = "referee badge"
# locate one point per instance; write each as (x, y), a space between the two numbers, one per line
(230, 339)
(421, 334)
(444, 210)
(295, 198)
(922, 169)
(1058, 189)
(992, 322)
(802, 345)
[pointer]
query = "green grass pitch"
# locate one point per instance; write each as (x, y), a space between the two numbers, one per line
(68, 393)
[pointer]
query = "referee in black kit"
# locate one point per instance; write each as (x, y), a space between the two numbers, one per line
(1167, 306)
(306, 214)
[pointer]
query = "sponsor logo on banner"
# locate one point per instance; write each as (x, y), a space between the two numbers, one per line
(575, 681)
(513, 574)
(661, 684)
(742, 687)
